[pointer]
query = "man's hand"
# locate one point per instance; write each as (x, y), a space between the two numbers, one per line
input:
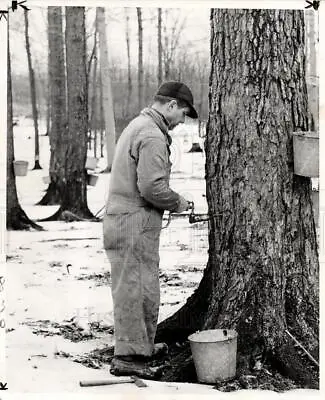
(190, 205)
(183, 205)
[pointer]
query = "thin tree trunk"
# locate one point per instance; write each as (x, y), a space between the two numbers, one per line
(15, 215)
(140, 60)
(311, 66)
(94, 102)
(32, 91)
(58, 107)
(160, 69)
(48, 110)
(101, 119)
(91, 62)
(107, 89)
(128, 50)
(48, 102)
(262, 273)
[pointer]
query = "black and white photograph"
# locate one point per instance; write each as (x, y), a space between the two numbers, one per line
(161, 227)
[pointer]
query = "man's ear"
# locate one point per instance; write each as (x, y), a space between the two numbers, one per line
(173, 103)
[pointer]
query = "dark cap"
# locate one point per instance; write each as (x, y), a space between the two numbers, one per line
(178, 90)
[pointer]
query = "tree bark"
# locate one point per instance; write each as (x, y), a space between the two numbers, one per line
(107, 89)
(15, 215)
(160, 55)
(32, 91)
(74, 190)
(58, 107)
(140, 60)
(262, 273)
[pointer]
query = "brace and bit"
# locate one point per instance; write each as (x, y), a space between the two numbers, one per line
(193, 218)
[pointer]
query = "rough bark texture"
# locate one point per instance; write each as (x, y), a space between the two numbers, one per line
(262, 272)
(107, 88)
(74, 142)
(58, 107)
(16, 217)
(140, 60)
(32, 91)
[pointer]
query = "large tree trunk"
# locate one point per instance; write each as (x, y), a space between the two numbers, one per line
(140, 60)
(74, 194)
(57, 107)
(107, 89)
(32, 91)
(160, 55)
(16, 217)
(262, 273)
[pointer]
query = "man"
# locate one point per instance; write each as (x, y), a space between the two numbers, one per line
(139, 193)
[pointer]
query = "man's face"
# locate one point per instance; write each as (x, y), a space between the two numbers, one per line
(176, 115)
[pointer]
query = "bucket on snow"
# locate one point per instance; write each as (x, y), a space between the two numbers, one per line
(20, 167)
(306, 153)
(91, 163)
(214, 354)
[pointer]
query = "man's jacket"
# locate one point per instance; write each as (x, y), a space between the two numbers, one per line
(141, 167)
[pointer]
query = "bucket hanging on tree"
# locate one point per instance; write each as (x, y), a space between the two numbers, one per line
(306, 153)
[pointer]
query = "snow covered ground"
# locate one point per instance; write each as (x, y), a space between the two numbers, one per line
(43, 292)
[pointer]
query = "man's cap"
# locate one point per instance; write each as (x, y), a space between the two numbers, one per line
(178, 90)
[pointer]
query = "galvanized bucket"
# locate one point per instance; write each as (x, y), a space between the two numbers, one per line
(306, 153)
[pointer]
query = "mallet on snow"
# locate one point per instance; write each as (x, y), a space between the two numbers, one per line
(102, 382)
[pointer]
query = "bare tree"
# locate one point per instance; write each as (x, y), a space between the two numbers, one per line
(311, 66)
(140, 60)
(128, 51)
(32, 91)
(107, 89)
(74, 194)
(160, 55)
(16, 217)
(262, 273)
(58, 107)
(94, 100)
(172, 37)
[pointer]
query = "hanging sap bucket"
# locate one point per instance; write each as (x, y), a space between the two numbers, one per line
(214, 354)
(306, 153)
(91, 163)
(315, 200)
(20, 167)
(92, 179)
